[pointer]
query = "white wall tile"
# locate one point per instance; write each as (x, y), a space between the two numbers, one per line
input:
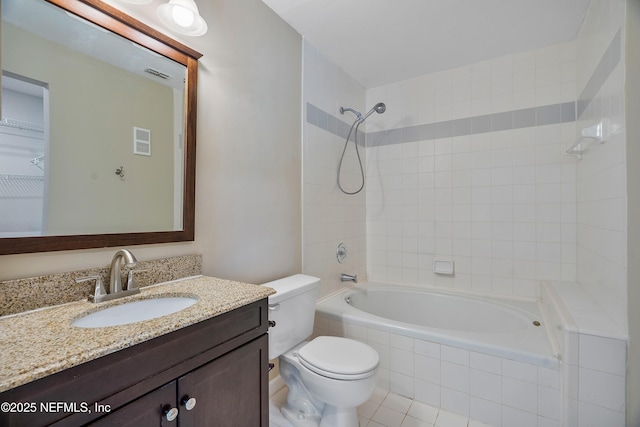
(486, 363)
(427, 348)
(427, 392)
(401, 361)
(454, 376)
(455, 355)
(602, 389)
(548, 422)
(549, 403)
(427, 369)
(454, 401)
(512, 417)
(520, 371)
(401, 384)
(548, 377)
(596, 416)
(485, 385)
(603, 354)
(520, 394)
(485, 411)
(484, 163)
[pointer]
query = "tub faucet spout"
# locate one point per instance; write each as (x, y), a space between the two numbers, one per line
(349, 278)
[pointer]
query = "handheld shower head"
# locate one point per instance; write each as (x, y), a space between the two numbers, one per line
(378, 108)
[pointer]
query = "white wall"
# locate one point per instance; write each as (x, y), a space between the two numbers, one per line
(248, 186)
(469, 164)
(601, 174)
(331, 217)
(632, 108)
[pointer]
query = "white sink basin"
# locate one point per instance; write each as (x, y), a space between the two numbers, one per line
(134, 311)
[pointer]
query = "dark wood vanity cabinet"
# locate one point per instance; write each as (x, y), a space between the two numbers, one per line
(220, 364)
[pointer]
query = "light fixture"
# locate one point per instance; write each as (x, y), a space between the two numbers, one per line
(137, 1)
(182, 16)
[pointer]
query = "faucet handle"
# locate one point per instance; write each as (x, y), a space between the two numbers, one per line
(131, 281)
(99, 290)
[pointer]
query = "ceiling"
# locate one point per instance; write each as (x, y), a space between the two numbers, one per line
(382, 41)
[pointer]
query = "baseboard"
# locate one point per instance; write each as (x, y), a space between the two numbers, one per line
(275, 385)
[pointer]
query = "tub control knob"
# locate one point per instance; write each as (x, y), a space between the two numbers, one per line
(189, 402)
(170, 413)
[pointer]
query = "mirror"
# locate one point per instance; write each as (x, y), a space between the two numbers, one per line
(97, 138)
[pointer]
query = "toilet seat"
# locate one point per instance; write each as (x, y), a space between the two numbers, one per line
(339, 358)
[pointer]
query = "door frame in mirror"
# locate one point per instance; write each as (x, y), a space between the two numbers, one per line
(120, 23)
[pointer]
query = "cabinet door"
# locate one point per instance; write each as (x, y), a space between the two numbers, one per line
(146, 411)
(230, 391)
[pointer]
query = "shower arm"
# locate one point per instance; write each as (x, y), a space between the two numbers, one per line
(358, 115)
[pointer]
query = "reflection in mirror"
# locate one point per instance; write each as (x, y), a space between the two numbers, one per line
(92, 136)
(97, 89)
(21, 157)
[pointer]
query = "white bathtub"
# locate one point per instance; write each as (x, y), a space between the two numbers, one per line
(508, 328)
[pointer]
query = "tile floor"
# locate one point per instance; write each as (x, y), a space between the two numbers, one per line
(386, 409)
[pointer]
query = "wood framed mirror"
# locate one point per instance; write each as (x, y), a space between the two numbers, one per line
(137, 184)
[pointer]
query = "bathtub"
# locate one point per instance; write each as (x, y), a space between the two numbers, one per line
(480, 357)
(509, 328)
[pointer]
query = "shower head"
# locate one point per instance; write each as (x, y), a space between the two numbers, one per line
(358, 115)
(378, 108)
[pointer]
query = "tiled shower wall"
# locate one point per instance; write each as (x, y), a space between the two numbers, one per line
(330, 217)
(596, 368)
(468, 164)
(601, 174)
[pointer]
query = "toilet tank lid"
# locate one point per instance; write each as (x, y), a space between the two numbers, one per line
(291, 286)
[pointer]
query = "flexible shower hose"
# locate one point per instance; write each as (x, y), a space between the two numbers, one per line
(355, 124)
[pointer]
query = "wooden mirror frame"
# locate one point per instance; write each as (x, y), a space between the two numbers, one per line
(120, 23)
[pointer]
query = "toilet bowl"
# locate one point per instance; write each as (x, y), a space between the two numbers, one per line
(327, 377)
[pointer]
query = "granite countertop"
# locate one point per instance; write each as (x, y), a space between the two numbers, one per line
(42, 342)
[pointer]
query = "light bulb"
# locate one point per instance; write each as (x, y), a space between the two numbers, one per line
(183, 16)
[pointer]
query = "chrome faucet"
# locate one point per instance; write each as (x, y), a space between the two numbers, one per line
(349, 278)
(115, 286)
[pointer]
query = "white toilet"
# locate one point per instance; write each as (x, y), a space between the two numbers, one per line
(327, 377)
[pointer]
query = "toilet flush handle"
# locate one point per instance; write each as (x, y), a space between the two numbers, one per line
(274, 307)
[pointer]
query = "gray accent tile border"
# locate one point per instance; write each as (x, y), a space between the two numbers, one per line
(605, 67)
(332, 124)
(528, 117)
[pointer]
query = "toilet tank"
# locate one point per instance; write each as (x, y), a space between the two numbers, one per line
(292, 308)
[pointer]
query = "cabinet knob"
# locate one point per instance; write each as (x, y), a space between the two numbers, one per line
(171, 413)
(189, 402)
